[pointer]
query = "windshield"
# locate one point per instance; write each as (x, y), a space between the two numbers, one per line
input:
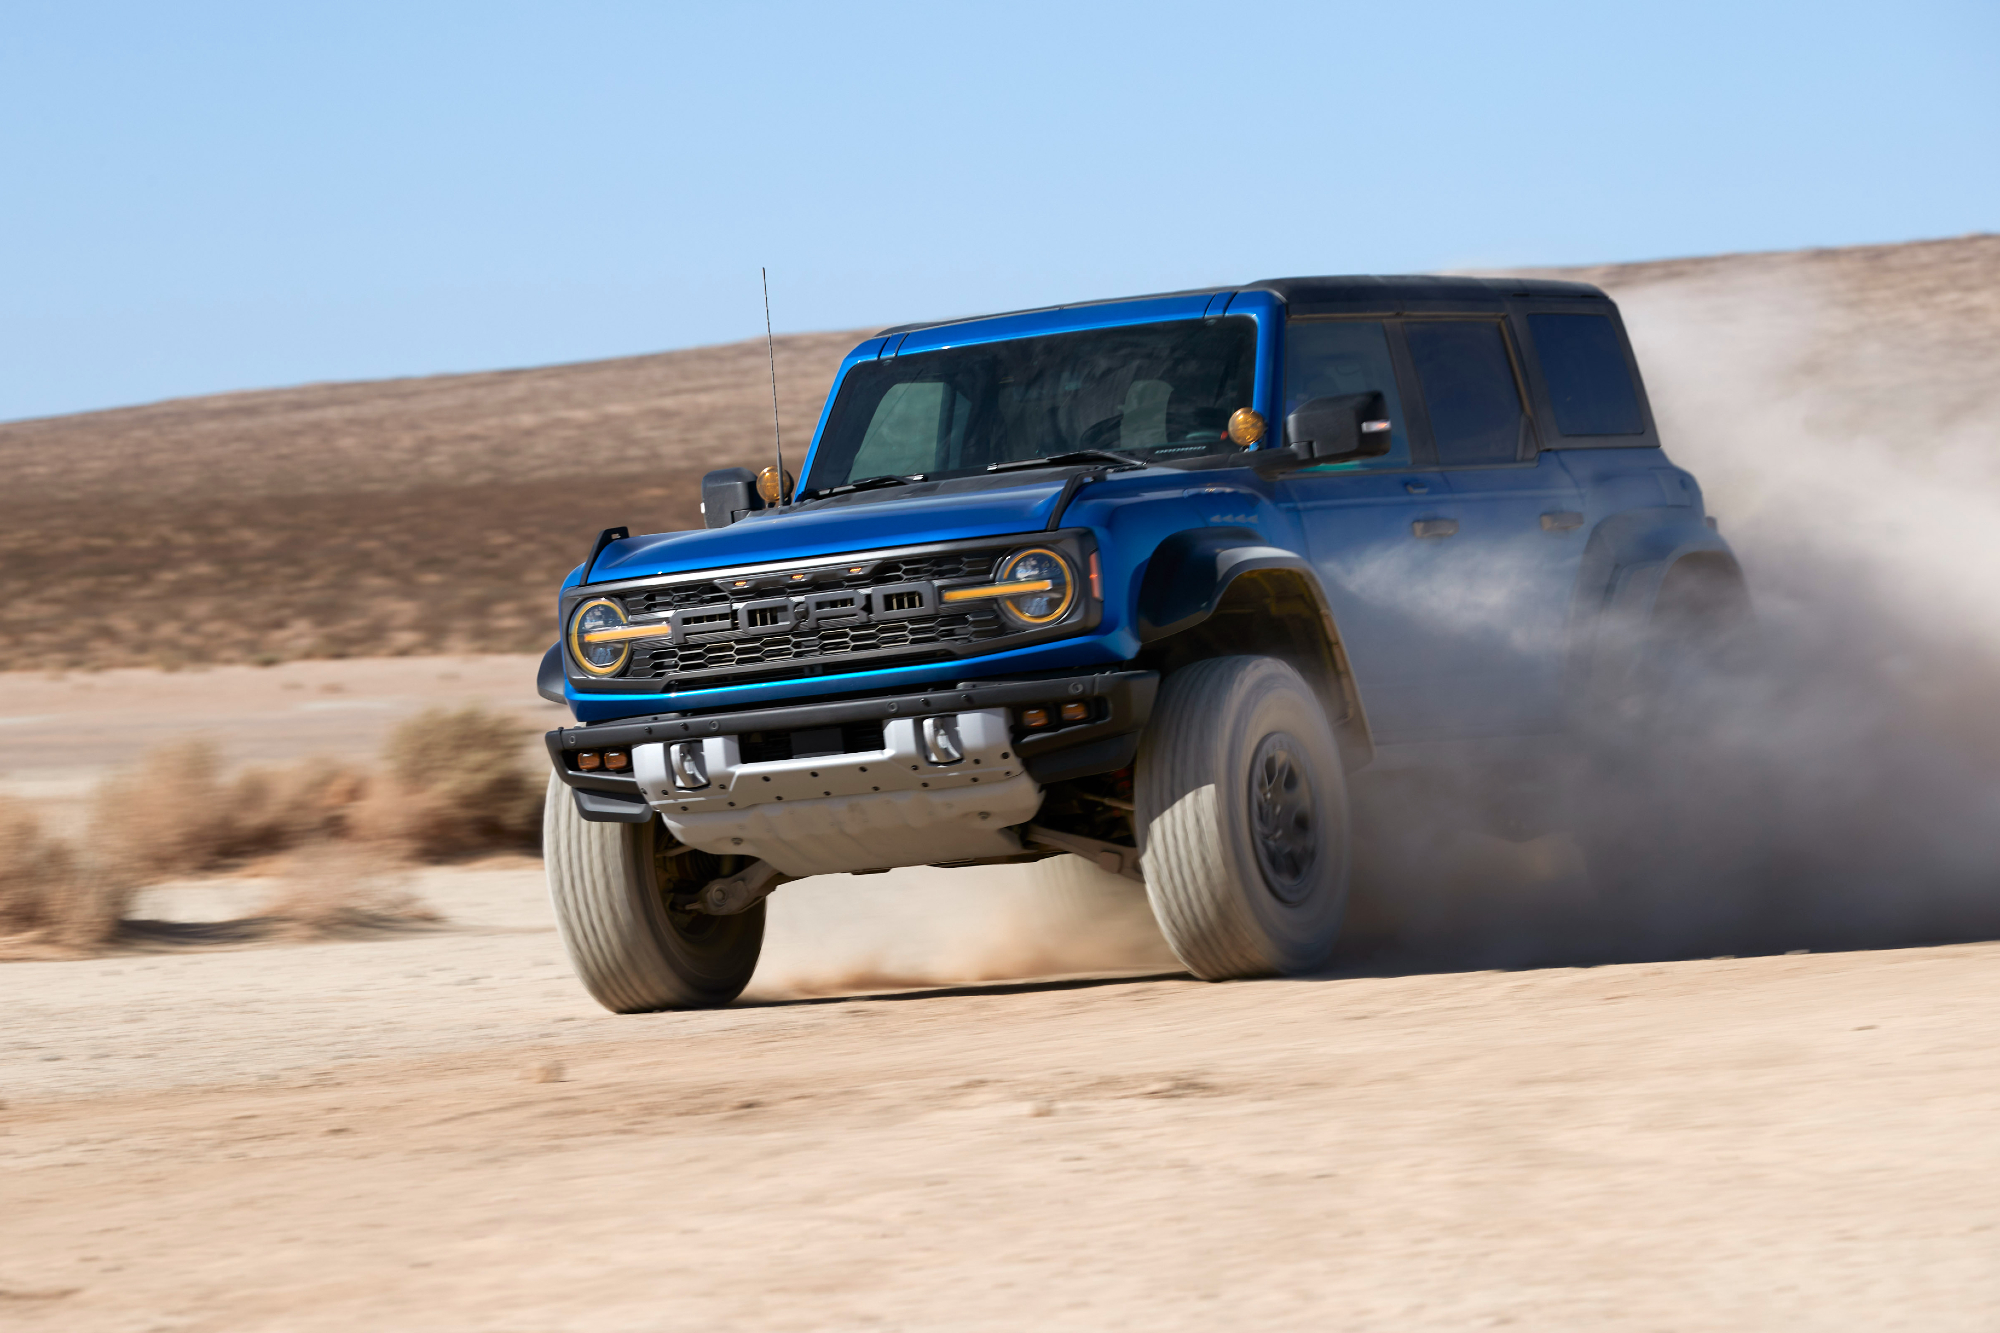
(1155, 391)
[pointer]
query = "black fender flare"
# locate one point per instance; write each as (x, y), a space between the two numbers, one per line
(1191, 572)
(549, 676)
(1625, 564)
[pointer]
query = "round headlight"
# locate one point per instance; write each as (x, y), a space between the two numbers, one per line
(605, 657)
(1051, 591)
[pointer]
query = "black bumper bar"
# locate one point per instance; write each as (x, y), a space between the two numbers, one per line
(1105, 742)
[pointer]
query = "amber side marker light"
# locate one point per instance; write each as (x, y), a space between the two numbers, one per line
(615, 760)
(589, 760)
(770, 485)
(1034, 717)
(1075, 712)
(1246, 427)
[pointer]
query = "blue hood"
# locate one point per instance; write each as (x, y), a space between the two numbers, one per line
(916, 515)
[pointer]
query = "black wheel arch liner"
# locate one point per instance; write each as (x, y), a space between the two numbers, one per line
(1190, 574)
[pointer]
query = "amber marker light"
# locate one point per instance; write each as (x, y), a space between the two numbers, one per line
(1246, 427)
(771, 487)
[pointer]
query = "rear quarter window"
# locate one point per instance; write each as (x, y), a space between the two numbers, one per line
(1590, 385)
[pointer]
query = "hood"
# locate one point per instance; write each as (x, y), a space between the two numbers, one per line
(905, 516)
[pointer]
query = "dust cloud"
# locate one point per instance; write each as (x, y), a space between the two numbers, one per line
(1832, 781)
(836, 934)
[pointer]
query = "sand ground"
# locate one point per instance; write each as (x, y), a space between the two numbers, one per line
(436, 1129)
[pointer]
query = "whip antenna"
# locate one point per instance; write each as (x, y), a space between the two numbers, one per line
(771, 351)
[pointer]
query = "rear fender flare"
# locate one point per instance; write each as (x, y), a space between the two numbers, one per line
(1625, 565)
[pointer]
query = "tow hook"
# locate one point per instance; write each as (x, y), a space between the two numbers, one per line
(739, 892)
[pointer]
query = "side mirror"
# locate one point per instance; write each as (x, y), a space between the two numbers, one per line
(727, 494)
(1334, 430)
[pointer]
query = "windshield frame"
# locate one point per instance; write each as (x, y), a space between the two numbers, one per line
(1264, 308)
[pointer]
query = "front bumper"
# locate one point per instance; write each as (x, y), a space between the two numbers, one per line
(1118, 704)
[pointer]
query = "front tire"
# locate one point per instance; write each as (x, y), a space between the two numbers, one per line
(1242, 806)
(610, 885)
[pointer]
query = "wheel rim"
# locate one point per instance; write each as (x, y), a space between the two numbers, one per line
(1284, 817)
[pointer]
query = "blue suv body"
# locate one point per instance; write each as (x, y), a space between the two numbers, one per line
(1433, 500)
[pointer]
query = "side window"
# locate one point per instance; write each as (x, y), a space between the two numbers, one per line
(917, 427)
(1590, 386)
(1326, 358)
(1469, 390)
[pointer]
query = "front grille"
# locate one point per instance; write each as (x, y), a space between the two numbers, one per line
(720, 637)
(650, 601)
(656, 660)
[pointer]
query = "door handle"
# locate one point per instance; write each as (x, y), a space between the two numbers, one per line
(1561, 520)
(1434, 527)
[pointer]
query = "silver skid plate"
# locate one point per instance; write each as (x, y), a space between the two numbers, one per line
(867, 811)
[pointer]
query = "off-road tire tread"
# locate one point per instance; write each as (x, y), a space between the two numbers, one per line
(1210, 930)
(601, 916)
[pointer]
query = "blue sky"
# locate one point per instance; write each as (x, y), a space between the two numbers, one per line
(204, 197)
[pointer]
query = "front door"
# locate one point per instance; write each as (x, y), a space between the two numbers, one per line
(1363, 525)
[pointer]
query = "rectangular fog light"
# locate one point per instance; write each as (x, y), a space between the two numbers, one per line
(589, 760)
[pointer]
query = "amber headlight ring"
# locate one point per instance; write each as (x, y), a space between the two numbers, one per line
(1047, 582)
(604, 658)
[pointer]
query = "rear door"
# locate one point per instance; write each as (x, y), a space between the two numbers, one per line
(1494, 613)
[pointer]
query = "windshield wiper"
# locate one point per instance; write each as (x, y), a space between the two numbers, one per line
(1067, 460)
(869, 484)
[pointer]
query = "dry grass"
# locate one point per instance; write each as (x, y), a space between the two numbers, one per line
(448, 784)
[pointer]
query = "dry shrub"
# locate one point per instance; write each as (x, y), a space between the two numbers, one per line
(176, 816)
(49, 895)
(168, 818)
(338, 888)
(277, 808)
(451, 784)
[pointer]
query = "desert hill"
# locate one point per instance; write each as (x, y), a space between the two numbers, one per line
(437, 514)
(412, 515)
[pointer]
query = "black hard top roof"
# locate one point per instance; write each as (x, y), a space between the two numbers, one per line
(1351, 294)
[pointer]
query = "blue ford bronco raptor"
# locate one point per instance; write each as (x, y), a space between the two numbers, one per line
(1146, 582)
